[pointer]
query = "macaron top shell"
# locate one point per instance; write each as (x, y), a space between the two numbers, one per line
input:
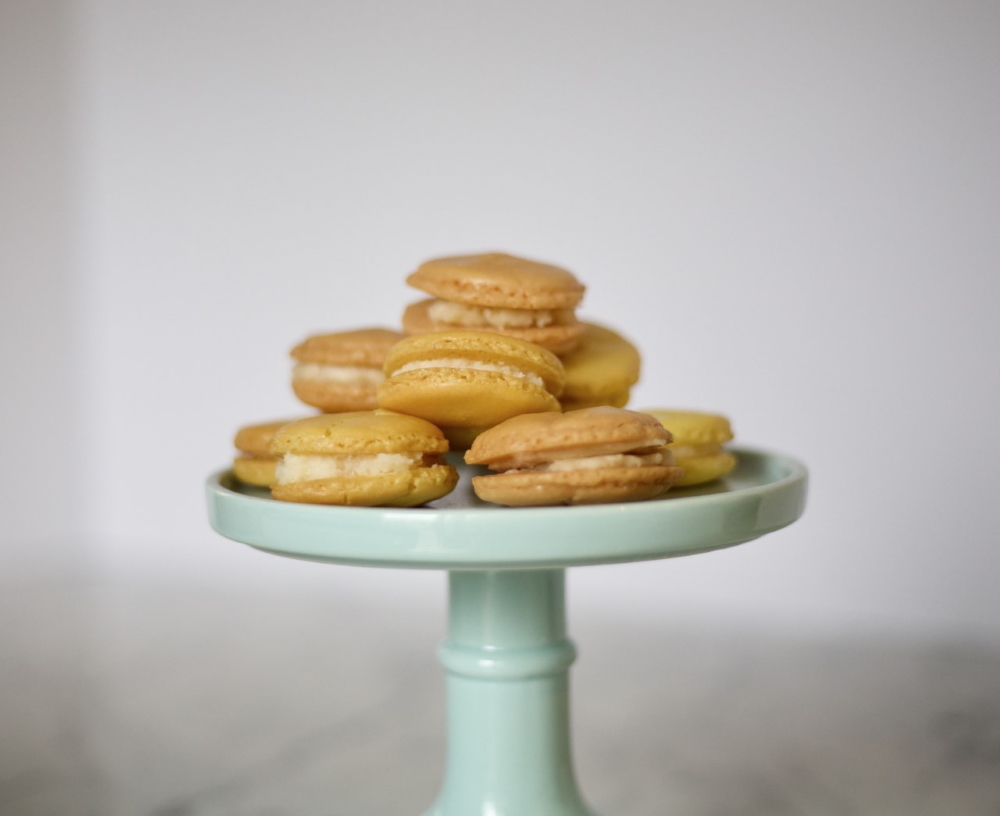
(498, 280)
(533, 439)
(360, 432)
(360, 347)
(693, 427)
(255, 440)
(481, 347)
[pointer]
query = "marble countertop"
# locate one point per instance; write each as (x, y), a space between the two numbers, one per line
(137, 701)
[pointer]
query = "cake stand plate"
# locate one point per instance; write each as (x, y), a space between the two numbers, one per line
(507, 655)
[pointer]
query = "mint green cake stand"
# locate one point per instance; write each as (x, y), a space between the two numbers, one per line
(507, 656)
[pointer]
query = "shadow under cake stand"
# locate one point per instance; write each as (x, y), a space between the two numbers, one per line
(507, 656)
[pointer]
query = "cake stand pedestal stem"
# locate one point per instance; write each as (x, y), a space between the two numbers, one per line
(507, 659)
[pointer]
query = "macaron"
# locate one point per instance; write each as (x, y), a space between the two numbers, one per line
(467, 381)
(341, 371)
(590, 456)
(697, 445)
(366, 458)
(254, 464)
(500, 293)
(599, 371)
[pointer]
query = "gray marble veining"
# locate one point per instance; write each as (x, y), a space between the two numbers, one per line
(128, 701)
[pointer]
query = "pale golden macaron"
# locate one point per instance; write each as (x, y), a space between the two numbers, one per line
(342, 371)
(254, 464)
(590, 456)
(467, 381)
(367, 458)
(600, 371)
(697, 445)
(500, 293)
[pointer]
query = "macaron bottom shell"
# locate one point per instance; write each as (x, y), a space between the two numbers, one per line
(255, 470)
(333, 398)
(409, 488)
(701, 469)
(463, 398)
(589, 486)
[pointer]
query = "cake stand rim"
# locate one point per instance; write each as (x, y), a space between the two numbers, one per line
(515, 538)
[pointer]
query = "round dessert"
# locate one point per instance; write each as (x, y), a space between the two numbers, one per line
(600, 371)
(697, 445)
(255, 463)
(467, 381)
(590, 456)
(368, 458)
(500, 293)
(342, 371)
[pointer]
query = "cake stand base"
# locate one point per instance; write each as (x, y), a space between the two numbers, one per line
(507, 660)
(507, 657)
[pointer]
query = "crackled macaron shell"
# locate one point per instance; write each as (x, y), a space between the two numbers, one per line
(255, 463)
(501, 293)
(367, 458)
(600, 371)
(469, 379)
(341, 371)
(590, 456)
(697, 445)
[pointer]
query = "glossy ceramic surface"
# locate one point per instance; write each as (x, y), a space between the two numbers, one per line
(764, 493)
(507, 656)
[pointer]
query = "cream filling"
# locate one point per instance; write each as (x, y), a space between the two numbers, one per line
(342, 375)
(613, 460)
(303, 468)
(460, 314)
(500, 368)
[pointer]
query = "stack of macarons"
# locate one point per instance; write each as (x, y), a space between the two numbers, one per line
(494, 362)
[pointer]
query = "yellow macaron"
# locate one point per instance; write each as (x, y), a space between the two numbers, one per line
(590, 456)
(254, 464)
(500, 293)
(697, 445)
(467, 381)
(367, 458)
(341, 371)
(600, 371)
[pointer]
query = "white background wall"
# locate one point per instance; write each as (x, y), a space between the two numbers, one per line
(791, 208)
(42, 504)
